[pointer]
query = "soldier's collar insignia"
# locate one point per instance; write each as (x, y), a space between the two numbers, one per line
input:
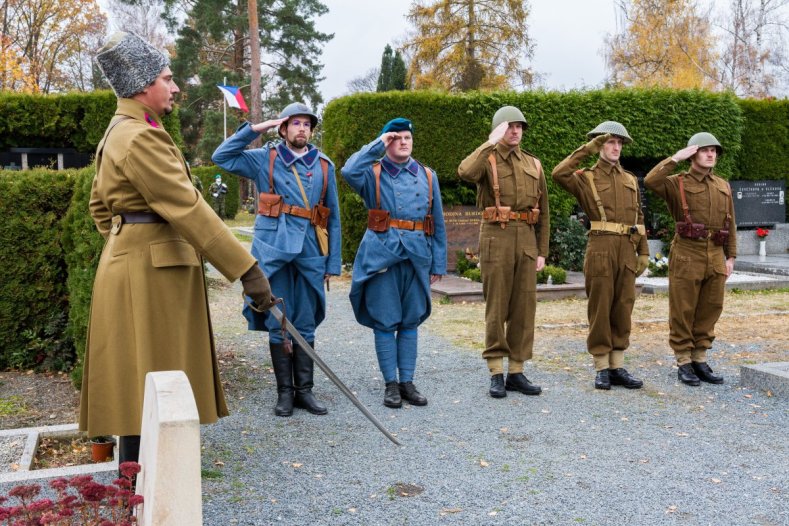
(393, 169)
(288, 157)
(150, 120)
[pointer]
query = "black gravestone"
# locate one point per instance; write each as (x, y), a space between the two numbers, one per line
(462, 226)
(759, 203)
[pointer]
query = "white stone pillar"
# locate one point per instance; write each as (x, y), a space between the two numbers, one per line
(170, 453)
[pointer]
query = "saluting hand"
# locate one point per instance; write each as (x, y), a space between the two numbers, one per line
(685, 153)
(265, 126)
(498, 133)
(388, 137)
(596, 144)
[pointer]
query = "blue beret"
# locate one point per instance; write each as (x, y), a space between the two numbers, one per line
(396, 125)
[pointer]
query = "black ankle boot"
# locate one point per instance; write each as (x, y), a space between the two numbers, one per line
(409, 393)
(303, 368)
(602, 380)
(282, 363)
(705, 374)
(518, 382)
(497, 389)
(620, 376)
(687, 376)
(392, 395)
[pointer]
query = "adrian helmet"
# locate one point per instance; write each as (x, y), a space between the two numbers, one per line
(298, 108)
(612, 127)
(703, 139)
(508, 114)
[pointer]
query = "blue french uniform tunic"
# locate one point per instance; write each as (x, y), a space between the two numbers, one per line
(285, 246)
(401, 300)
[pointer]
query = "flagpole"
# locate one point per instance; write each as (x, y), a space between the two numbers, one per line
(224, 107)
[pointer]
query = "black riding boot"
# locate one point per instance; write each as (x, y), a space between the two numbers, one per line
(303, 367)
(282, 362)
(128, 451)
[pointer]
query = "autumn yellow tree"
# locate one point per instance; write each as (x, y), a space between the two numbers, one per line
(667, 43)
(461, 45)
(56, 39)
(14, 69)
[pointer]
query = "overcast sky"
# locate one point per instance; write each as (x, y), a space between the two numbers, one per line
(568, 35)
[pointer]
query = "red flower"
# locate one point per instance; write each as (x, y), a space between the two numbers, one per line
(762, 232)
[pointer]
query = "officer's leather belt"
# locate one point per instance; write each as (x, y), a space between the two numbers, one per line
(141, 217)
(616, 228)
(405, 224)
(529, 216)
(297, 211)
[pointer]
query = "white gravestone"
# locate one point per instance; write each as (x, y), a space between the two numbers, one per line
(170, 453)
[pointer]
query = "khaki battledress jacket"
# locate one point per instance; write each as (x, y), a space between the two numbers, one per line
(149, 310)
(508, 256)
(610, 262)
(697, 267)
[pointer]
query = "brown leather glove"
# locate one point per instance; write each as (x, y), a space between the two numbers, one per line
(257, 287)
(596, 144)
(641, 266)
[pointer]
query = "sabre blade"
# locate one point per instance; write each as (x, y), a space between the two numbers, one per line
(274, 310)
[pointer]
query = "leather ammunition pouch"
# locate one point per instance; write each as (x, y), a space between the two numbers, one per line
(320, 216)
(270, 205)
(721, 237)
(378, 220)
(429, 225)
(496, 214)
(691, 230)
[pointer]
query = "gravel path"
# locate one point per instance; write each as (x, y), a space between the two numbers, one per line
(666, 454)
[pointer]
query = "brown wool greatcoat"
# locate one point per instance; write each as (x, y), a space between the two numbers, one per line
(508, 256)
(697, 267)
(149, 310)
(610, 261)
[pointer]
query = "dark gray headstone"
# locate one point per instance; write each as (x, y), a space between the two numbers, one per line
(759, 203)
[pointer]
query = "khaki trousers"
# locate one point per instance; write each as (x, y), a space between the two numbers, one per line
(610, 275)
(508, 258)
(697, 282)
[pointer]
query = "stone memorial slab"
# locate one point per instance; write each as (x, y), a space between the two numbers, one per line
(770, 378)
(462, 224)
(759, 203)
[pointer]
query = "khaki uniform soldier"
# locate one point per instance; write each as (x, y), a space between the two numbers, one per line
(702, 252)
(513, 244)
(609, 195)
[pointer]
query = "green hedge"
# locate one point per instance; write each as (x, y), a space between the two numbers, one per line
(447, 127)
(765, 142)
(73, 120)
(33, 296)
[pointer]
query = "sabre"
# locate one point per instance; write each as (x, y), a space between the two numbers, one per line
(274, 310)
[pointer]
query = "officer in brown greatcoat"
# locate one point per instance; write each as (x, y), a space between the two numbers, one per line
(513, 244)
(702, 252)
(149, 310)
(609, 196)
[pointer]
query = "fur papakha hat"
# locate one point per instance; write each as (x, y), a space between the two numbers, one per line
(130, 64)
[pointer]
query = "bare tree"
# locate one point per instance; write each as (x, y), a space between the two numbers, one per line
(753, 63)
(143, 17)
(366, 82)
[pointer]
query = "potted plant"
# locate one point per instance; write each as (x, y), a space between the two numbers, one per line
(101, 448)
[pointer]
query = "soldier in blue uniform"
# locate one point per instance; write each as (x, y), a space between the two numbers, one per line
(297, 207)
(401, 254)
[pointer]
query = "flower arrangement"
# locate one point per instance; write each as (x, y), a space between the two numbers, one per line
(658, 266)
(94, 504)
(762, 232)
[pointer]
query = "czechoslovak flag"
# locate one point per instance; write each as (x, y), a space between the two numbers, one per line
(233, 97)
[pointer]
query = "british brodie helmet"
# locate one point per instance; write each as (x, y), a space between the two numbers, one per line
(509, 114)
(703, 139)
(612, 127)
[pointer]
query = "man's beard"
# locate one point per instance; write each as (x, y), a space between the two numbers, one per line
(298, 143)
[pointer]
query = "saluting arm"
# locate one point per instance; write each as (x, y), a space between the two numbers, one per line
(564, 172)
(233, 156)
(358, 166)
(657, 178)
(475, 167)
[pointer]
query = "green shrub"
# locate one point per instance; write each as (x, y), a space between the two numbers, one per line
(82, 245)
(474, 274)
(33, 295)
(568, 243)
(558, 275)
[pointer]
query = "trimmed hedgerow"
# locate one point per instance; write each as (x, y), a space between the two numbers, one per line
(447, 127)
(33, 295)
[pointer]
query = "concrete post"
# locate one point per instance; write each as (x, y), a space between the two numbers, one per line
(170, 453)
